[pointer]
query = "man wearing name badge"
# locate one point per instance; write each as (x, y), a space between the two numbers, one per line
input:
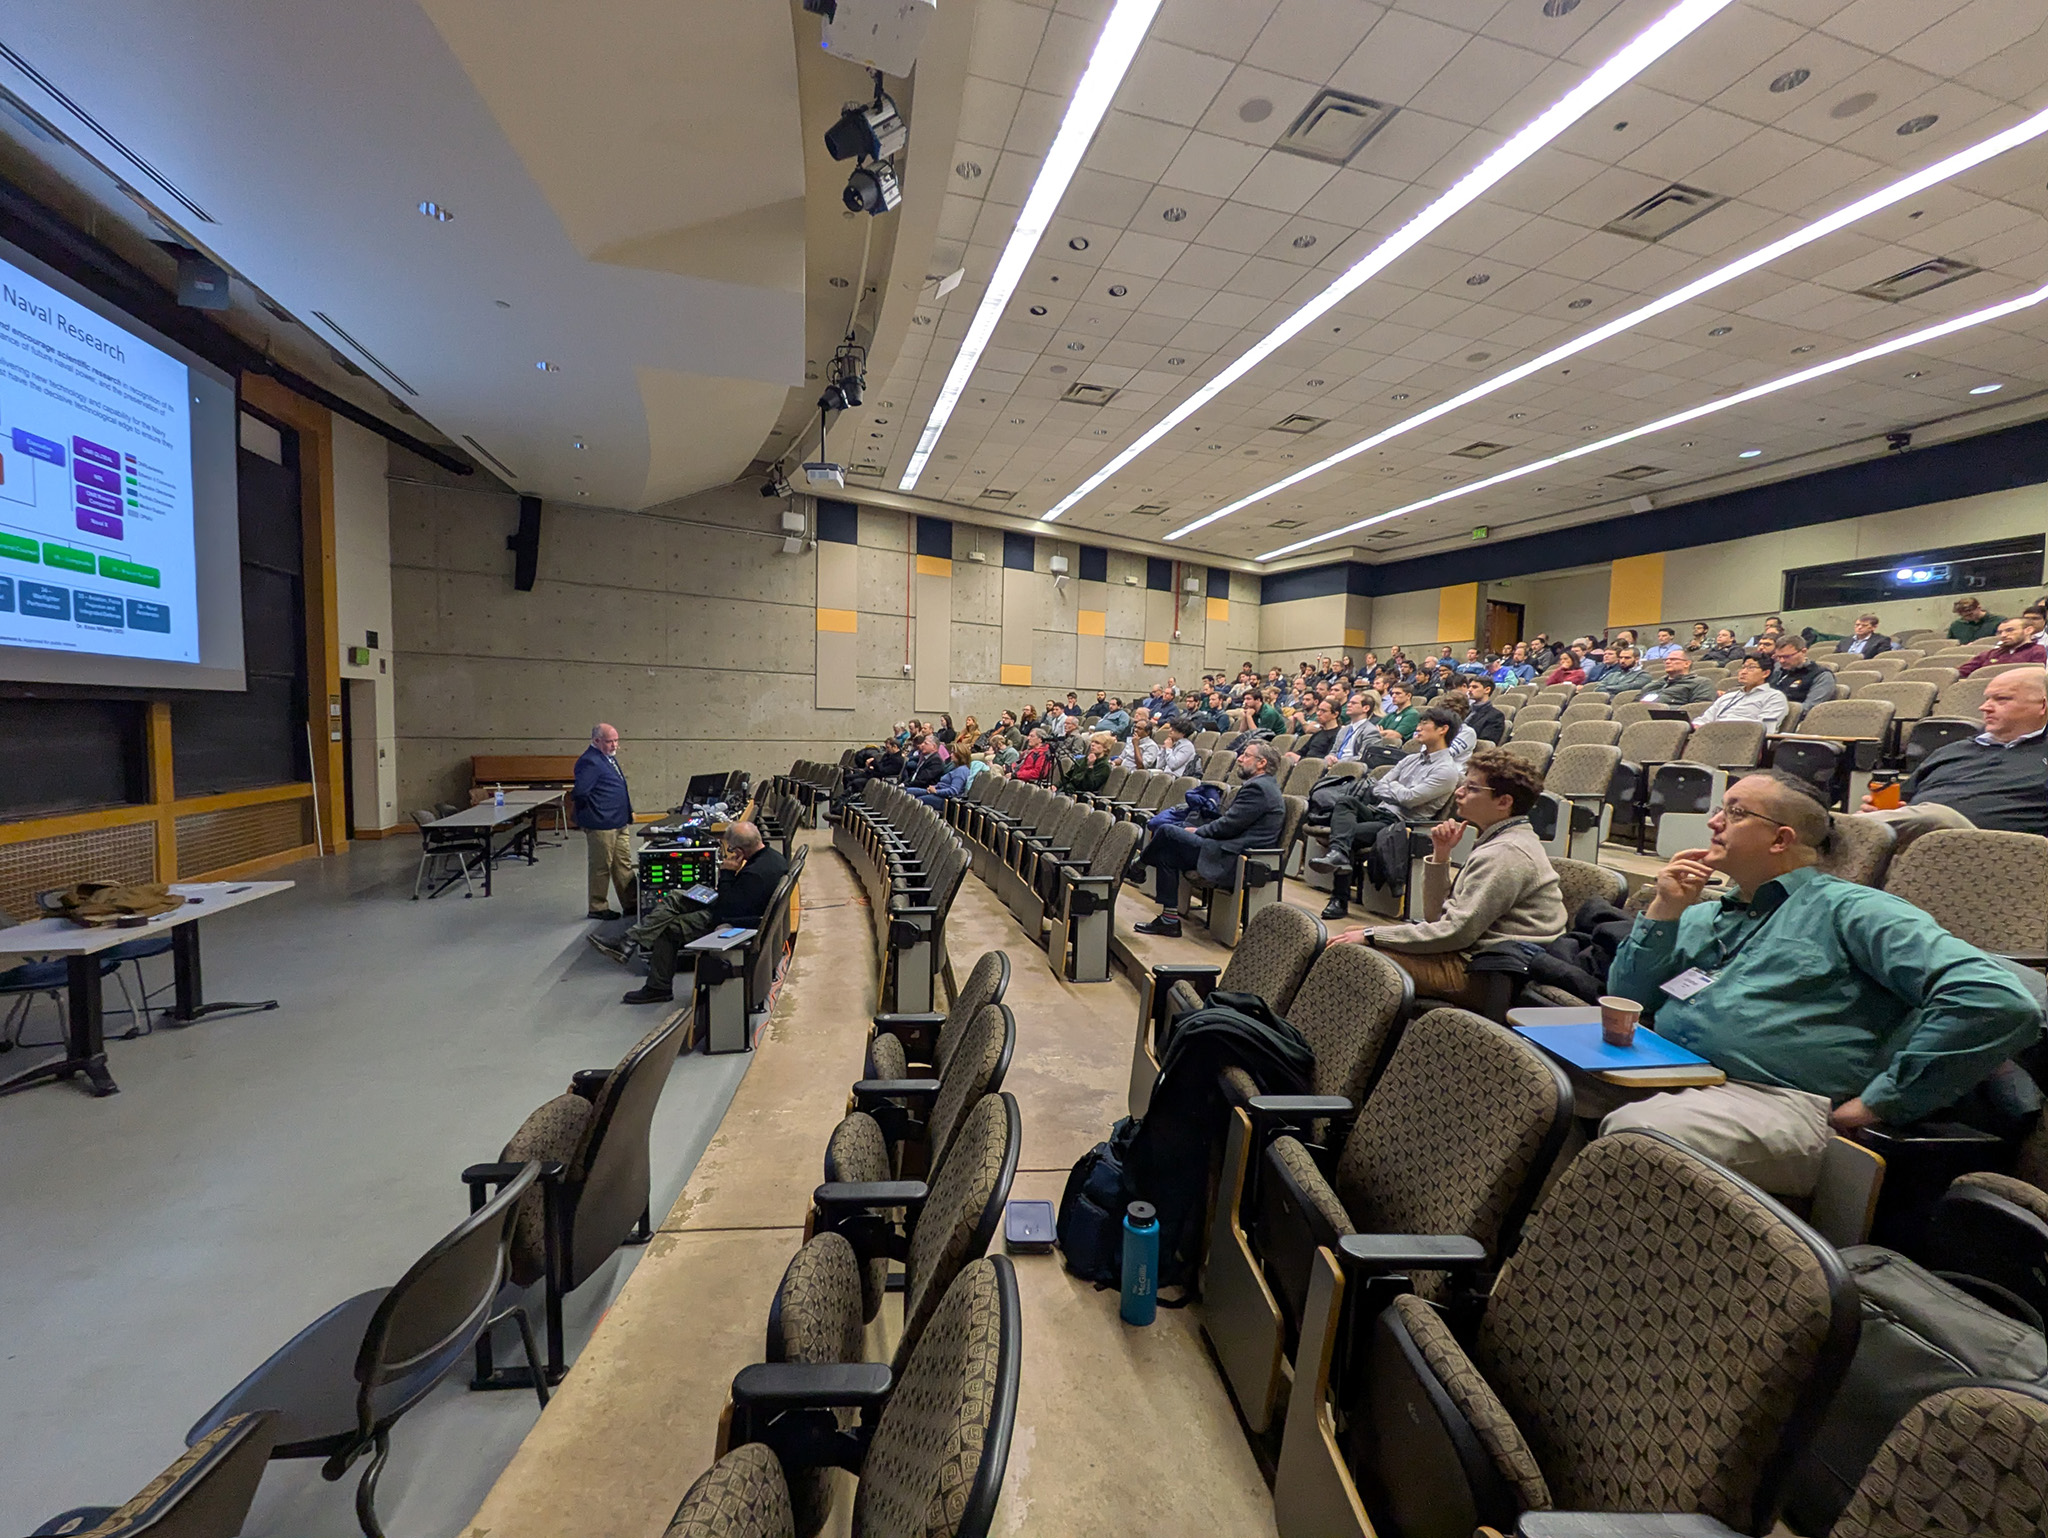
(749, 871)
(1830, 1006)
(604, 811)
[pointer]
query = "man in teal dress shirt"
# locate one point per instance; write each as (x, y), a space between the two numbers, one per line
(1830, 1006)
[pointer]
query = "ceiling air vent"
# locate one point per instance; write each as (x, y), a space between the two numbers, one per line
(1335, 126)
(1286, 523)
(1665, 212)
(993, 495)
(1481, 450)
(1089, 395)
(1300, 424)
(1148, 509)
(382, 367)
(510, 473)
(1637, 473)
(1915, 281)
(869, 470)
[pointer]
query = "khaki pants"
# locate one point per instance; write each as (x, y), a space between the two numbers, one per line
(611, 865)
(1909, 822)
(1772, 1137)
(1441, 976)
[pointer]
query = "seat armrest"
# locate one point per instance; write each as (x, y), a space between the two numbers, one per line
(772, 1387)
(1404, 1252)
(1619, 1524)
(1169, 973)
(498, 1174)
(1274, 1114)
(896, 1025)
(860, 1195)
(586, 1082)
(867, 1091)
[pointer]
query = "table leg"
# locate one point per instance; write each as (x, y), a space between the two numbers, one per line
(533, 837)
(188, 981)
(85, 1045)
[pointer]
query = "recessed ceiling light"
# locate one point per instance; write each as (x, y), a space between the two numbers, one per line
(1077, 347)
(1477, 357)
(1176, 362)
(1038, 309)
(1557, 8)
(1315, 384)
(1078, 243)
(838, 282)
(1915, 374)
(1516, 416)
(1479, 280)
(1115, 47)
(1580, 304)
(1117, 291)
(1174, 215)
(436, 212)
(1806, 375)
(547, 368)
(1303, 242)
(1791, 80)
(1906, 187)
(1987, 389)
(967, 171)
(1750, 454)
(576, 443)
(1721, 331)
(1803, 348)
(1914, 125)
(1656, 40)
(1401, 397)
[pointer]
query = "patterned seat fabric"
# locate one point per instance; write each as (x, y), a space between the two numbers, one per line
(886, 1059)
(144, 1503)
(858, 1154)
(1578, 883)
(950, 1230)
(1859, 849)
(2027, 1186)
(1968, 1461)
(817, 1318)
(920, 1469)
(552, 1134)
(1476, 1401)
(1964, 878)
(742, 1495)
(970, 1075)
(1654, 1332)
(1274, 954)
(1346, 1009)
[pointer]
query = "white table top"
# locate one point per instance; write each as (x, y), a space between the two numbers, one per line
(61, 937)
(533, 797)
(485, 815)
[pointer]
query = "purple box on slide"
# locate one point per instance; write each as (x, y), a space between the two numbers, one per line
(98, 501)
(38, 448)
(93, 475)
(95, 453)
(99, 523)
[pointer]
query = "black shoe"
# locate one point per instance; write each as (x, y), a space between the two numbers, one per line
(649, 996)
(602, 913)
(1330, 863)
(612, 948)
(1336, 908)
(1165, 924)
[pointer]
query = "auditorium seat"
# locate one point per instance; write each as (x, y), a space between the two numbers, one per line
(1597, 731)
(1859, 849)
(1981, 886)
(205, 1493)
(1995, 1225)
(929, 1040)
(1684, 792)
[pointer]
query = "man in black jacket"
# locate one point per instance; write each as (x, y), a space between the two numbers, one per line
(932, 762)
(1799, 678)
(748, 875)
(1866, 642)
(1487, 723)
(1253, 820)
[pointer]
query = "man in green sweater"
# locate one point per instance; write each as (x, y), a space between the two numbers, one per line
(1398, 723)
(1972, 623)
(1830, 1006)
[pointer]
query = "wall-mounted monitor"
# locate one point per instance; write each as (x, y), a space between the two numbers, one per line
(120, 559)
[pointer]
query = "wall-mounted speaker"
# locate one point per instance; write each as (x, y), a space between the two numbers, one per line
(525, 545)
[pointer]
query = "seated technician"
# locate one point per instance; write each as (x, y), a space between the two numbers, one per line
(1830, 1006)
(749, 870)
(1506, 890)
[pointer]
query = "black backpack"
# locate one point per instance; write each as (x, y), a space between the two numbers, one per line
(1091, 1217)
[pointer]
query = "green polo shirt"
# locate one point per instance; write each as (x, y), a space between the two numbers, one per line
(1832, 988)
(1402, 721)
(1974, 629)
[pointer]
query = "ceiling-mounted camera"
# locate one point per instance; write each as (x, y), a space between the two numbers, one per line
(873, 189)
(777, 485)
(868, 130)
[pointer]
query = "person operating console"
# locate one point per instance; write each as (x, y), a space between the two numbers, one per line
(749, 871)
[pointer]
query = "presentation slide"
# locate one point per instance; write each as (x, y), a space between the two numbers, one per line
(97, 545)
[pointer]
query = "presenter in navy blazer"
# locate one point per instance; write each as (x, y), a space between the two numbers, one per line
(604, 811)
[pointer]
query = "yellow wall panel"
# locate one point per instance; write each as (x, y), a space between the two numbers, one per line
(1092, 622)
(934, 566)
(1219, 611)
(1156, 655)
(1635, 590)
(1017, 674)
(1457, 611)
(838, 621)
(1354, 640)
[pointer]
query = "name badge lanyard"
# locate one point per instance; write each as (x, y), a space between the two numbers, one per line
(1694, 979)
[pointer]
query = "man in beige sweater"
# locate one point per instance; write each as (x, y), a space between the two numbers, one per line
(1507, 889)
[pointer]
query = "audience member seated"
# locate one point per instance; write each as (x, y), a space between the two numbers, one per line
(1140, 751)
(1268, 718)
(1864, 640)
(931, 762)
(2014, 644)
(954, 782)
(1702, 638)
(1972, 623)
(1543, 653)
(1087, 774)
(1666, 645)
(1726, 649)
(1679, 685)
(1486, 723)
(1996, 780)
(1569, 670)
(1752, 698)
(1115, 720)
(1474, 664)
(749, 871)
(1506, 890)
(1625, 672)
(1798, 677)
(1035, 762)
(1418, 783)
(1253, 820)
(1096, 711)
(1398, 724)
(1322, 737)
(1830, 1006)
(1177, 751)
(1767, 639)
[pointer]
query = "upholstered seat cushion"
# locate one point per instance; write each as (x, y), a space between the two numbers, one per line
(950, 1230)
(858, 1154)
(1478, 1403)
(886, 1059)
(553, 1134)
(817, 1319)
(1970, 1460)
(2028, 1198)
(742, 1495)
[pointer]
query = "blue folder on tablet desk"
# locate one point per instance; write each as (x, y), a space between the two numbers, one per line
(1582, 1047)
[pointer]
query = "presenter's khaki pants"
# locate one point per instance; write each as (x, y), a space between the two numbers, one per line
(611, 865)
(1774, 1138)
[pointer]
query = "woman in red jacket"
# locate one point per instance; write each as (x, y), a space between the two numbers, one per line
(1569, 669)
(1036, 763)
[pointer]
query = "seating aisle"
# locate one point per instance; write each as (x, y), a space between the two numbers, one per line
(1117, 1429)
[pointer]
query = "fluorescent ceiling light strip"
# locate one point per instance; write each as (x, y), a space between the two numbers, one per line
(1649, 46)
(1114, 50)
(1910, 186)
(1755, 392)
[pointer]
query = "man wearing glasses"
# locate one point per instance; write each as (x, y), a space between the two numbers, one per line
(1830, 1006)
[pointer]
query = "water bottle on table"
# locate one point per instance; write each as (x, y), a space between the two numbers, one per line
(498, 797)
(1141, 1263)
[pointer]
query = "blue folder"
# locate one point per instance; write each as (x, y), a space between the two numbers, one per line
(1583, 1048)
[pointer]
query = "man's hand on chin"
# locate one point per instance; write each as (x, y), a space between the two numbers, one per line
(1853, 1116)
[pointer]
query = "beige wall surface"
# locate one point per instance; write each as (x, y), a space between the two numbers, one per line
(688, 629)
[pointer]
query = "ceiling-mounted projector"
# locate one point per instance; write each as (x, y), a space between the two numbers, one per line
(823, 474)
(876, 34)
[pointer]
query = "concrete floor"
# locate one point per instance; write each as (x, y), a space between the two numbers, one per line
(255, 1170)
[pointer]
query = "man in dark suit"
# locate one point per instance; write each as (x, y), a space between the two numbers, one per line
(932, 762)
(1866, 642)
(604, 811)
(748, 874)
(1487, 723)
(1253, 820)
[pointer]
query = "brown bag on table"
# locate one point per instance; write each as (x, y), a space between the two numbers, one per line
(99, 903)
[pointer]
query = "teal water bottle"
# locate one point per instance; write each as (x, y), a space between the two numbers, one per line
(1141, 1263)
